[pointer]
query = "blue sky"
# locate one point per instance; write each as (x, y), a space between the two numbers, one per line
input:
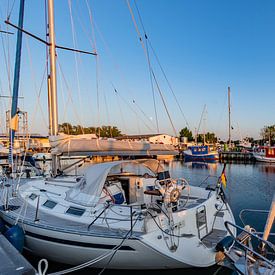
(203, 47)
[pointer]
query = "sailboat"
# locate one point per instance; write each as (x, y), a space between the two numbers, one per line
(119, 215)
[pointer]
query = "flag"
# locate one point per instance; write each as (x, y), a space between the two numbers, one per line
(223, 179)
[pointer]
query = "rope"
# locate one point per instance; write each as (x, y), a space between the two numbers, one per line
(40, 272)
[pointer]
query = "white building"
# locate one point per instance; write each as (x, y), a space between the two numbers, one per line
(152, 138)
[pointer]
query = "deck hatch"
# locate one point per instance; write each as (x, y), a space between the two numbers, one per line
(75, 211)
(32, 196)
(49, 204)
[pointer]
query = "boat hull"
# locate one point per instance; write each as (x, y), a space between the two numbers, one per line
(208, 157)
(76, 249)
(262, 158)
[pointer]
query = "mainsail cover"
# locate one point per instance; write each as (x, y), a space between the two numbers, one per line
(89, 145)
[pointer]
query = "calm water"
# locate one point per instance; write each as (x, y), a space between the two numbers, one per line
(249, 186)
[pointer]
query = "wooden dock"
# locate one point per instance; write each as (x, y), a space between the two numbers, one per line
(232, 155)
(12, 262)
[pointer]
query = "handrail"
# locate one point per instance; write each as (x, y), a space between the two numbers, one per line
(226, 223)
(250, 210)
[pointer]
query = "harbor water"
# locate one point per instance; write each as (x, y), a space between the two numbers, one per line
(249, 186)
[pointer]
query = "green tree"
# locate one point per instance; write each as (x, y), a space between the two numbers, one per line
(103, 131)
(185, 132)
(268, 134)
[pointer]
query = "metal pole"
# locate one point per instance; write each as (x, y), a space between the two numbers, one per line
(270, 219)
(53, 99)
(229, 120)
(14, 116)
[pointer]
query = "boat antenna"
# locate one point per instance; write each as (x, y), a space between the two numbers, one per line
(14, 108)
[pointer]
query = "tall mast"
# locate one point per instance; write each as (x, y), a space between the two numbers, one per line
(14, 114)
(229, 120)
(53, 116)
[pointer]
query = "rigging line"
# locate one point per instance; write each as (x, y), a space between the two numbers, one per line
(76, 58)
(9, 13)
(139, 108)
(158, 61)
(131, 108)
(120, 111)
(152, 86)
(146, 52)
(92, 26)
(107, 112)
(97, 61)
(168, 82)
(38, 103)
(70, 98)
(204, 107)
(63, 97)
(6, 64)
(165, 106)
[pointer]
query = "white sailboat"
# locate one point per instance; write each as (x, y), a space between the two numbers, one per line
(119, 215)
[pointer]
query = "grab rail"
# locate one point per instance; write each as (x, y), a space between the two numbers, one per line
(246, 247)
(255, 211)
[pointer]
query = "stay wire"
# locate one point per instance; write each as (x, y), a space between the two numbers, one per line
(115, 90)
(149, 62)
(146, 52)
(76, 58)
(169, 84)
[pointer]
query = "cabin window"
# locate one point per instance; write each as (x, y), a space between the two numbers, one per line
(75, 211)
(49, 204)
(33, 196)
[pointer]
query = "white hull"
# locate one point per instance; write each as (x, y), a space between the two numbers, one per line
(75, 249)
(150, 235)
(263, 158)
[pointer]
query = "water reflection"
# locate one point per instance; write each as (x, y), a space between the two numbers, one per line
(266, 167)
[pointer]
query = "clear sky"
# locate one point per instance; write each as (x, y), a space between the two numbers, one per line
(203, 46)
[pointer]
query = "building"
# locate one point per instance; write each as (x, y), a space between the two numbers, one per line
(152, 138)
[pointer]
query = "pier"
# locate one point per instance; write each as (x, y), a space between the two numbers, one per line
(12, 262)
(232, 155)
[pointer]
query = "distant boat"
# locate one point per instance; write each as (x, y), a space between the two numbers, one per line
(264, 153)
(200, 153)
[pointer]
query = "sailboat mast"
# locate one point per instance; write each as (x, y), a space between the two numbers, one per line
(14, 115)
(229, 119)
(53, 116)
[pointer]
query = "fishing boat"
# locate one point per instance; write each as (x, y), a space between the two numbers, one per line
(200, 153)
(128, 214)
(264, 153)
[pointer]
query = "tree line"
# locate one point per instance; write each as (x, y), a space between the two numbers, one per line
(209, 137)
(103, 131)
(267, 133)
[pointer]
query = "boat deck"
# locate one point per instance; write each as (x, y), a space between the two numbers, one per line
(47, 221)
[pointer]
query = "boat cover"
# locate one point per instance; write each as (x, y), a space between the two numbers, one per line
(88, 190)
(85, 144)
